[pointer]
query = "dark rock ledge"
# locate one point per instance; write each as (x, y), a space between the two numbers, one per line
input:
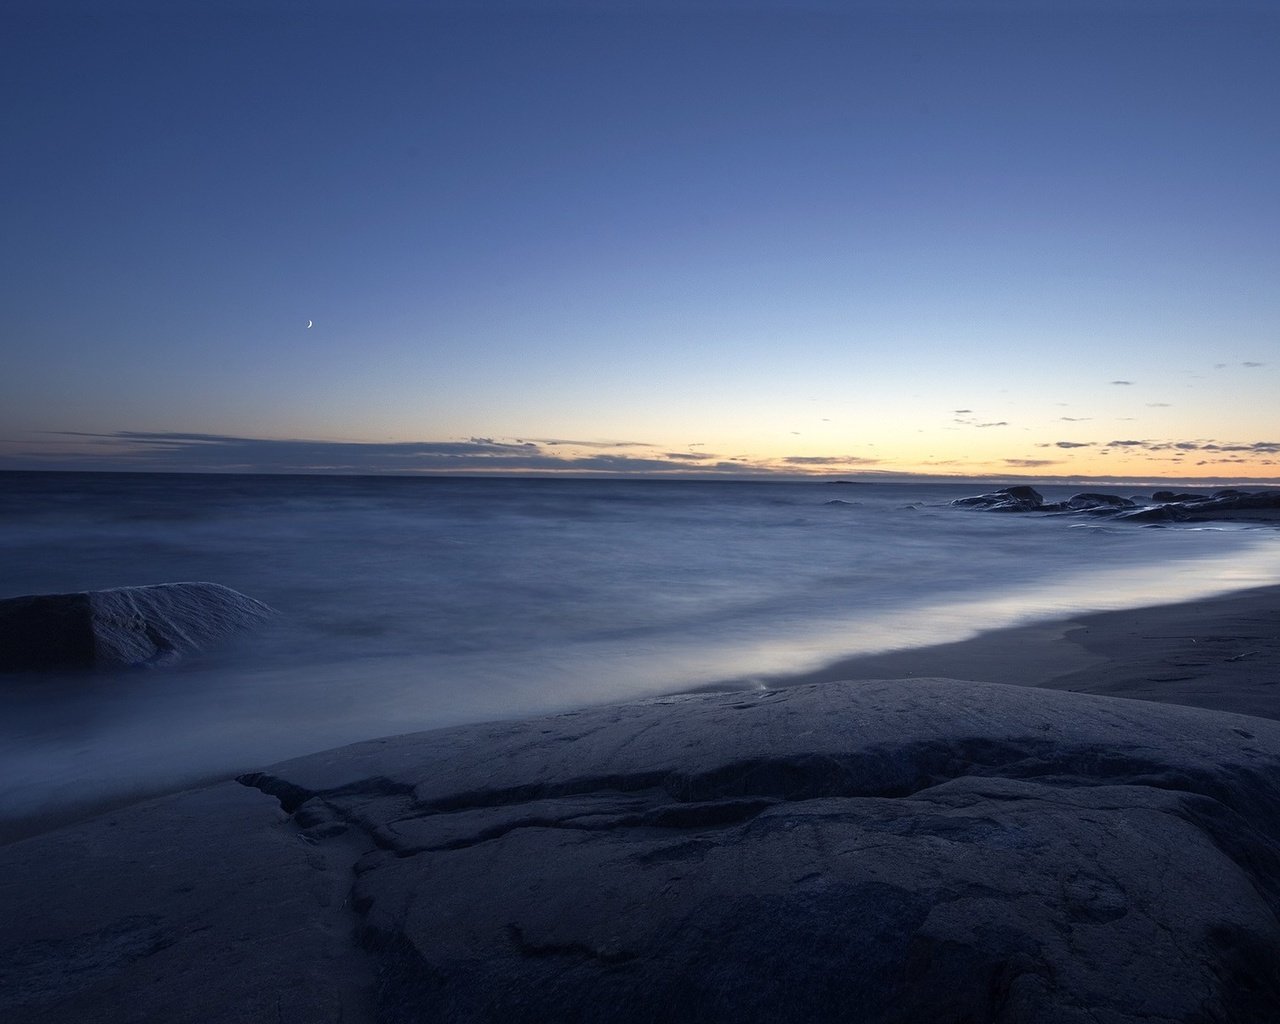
(1163, 506)
(121, 627)
(913, 850)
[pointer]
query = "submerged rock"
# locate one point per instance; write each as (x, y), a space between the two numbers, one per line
(1171, 513)
(120, 627)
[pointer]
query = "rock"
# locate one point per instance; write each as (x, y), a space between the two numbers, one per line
(1172, 506)
(1155, 514)
(1239, 505)
(195, 908)
(908, 850)
(1232, 500)
(885, 851)
(1089, 500)
(1008, 499)
(120, 627)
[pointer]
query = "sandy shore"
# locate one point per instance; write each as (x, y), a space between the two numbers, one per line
(1220, 653)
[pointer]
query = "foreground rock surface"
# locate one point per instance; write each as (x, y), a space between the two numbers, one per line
(120, 627)
(907, 850)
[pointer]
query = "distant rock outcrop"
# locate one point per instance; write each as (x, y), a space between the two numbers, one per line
(120, 627)
(1164, 506)
(1007, 499)
(1088, 501)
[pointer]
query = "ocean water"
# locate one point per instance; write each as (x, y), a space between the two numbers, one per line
(411, 603)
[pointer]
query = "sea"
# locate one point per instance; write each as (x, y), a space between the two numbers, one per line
(409, 603)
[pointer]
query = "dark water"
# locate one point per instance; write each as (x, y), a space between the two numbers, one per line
(411, 603)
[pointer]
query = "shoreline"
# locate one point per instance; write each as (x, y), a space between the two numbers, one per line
(1007, 849)
(1219, 653)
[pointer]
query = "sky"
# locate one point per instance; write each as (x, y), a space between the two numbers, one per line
(966, 238)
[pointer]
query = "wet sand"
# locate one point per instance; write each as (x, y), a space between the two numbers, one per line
(1219, 653)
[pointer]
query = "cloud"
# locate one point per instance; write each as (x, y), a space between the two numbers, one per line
(1242, 447)
(829, 460)
(962, 412)
(689, 456)
(1073, 444)
(1001, 423)
(1074, 419)
(1252, 365)
(1125, 383)
(1271, 447)
(590, 444)
(1158, 405)
(1031, 463)
(194, 452)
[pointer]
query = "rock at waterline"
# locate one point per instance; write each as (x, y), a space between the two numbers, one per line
(1169, 506)
(120, 627)
(1088, 501)
(1007, 499)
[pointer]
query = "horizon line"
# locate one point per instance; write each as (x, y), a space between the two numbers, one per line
(865, 478)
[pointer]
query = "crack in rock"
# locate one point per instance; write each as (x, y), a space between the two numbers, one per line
(1073, 863)
(575, 949)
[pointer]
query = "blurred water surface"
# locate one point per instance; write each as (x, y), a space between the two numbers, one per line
(410, 603)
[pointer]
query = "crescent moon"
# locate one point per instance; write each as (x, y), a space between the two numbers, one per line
(309, 322)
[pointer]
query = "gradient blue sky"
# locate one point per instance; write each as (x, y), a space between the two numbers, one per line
(971, 238)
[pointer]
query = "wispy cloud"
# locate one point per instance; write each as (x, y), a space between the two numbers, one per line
(558, 441)
(178, 451)
(829, 460)
(965, 422)
(1124, 383)
(1031, 463)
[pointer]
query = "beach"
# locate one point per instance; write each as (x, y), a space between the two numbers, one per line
(1220, 653)
(407, 604)
(623, 513)
(517, 870)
